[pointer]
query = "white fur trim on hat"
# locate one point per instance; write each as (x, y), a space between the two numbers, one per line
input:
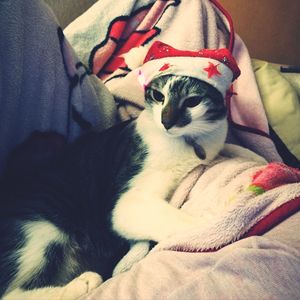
(209, 70)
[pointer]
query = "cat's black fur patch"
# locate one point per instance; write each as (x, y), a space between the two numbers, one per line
(76, 192)
(54, 256)
(11, 239)
(34, 153)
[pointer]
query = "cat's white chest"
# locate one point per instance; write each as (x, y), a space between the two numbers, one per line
(169, 160)
(168, 153)
(143, 212)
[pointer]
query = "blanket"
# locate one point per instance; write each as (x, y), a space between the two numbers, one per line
(108, 39)
(237, 198)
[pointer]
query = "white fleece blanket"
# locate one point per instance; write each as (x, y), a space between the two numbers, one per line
(236, 200)
(236, 196)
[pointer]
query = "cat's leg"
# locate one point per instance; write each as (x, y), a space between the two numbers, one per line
(77, 288)
(136, 252)
(147, 217)
(42, 260)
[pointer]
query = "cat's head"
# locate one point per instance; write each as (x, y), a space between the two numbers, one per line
(185, 90)
(184, 106)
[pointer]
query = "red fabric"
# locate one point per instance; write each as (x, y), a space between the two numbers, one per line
(161, 50)
(164, 67)
(116, 61)
(275, 217)
(274, 175)
(270, 177)
(117, 28)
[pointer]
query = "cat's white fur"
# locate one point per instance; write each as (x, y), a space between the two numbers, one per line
(211, 136)
(140, 215)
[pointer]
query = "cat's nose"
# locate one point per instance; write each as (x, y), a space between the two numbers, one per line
(169, 117)
(167, 124)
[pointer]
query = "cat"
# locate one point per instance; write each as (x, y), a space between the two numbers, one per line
(65, 224)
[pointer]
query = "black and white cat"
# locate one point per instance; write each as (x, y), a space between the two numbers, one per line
(78, 212)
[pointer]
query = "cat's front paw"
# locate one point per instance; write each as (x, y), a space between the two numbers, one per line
(81, 285)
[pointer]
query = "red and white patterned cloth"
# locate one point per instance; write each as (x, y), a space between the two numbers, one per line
(106, 35)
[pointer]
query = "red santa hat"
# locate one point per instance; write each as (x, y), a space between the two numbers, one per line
(216, 67)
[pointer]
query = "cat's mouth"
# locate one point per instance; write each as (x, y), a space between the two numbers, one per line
(173, 131)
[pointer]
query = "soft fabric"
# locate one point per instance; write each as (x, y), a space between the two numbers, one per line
(238, 198)
(43, 86)
(234, 197)
(208, 263)
(281, 103)
(105, 35)
(264, 267)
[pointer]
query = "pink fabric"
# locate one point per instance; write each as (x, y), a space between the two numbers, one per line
(227, 204)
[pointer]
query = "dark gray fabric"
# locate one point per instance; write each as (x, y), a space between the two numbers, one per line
(42, 84)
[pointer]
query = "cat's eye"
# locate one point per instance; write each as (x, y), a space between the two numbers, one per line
(157, 96)
(192, 101)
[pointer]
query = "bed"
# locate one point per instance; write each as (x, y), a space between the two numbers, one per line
(249, 245)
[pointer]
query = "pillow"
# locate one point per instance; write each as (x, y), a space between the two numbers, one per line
(281, 104)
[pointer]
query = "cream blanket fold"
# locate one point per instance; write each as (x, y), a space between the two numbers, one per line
(235, 197)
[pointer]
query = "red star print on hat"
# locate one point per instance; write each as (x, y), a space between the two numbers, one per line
(165, 67)
(214, 66)
(212, 70)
